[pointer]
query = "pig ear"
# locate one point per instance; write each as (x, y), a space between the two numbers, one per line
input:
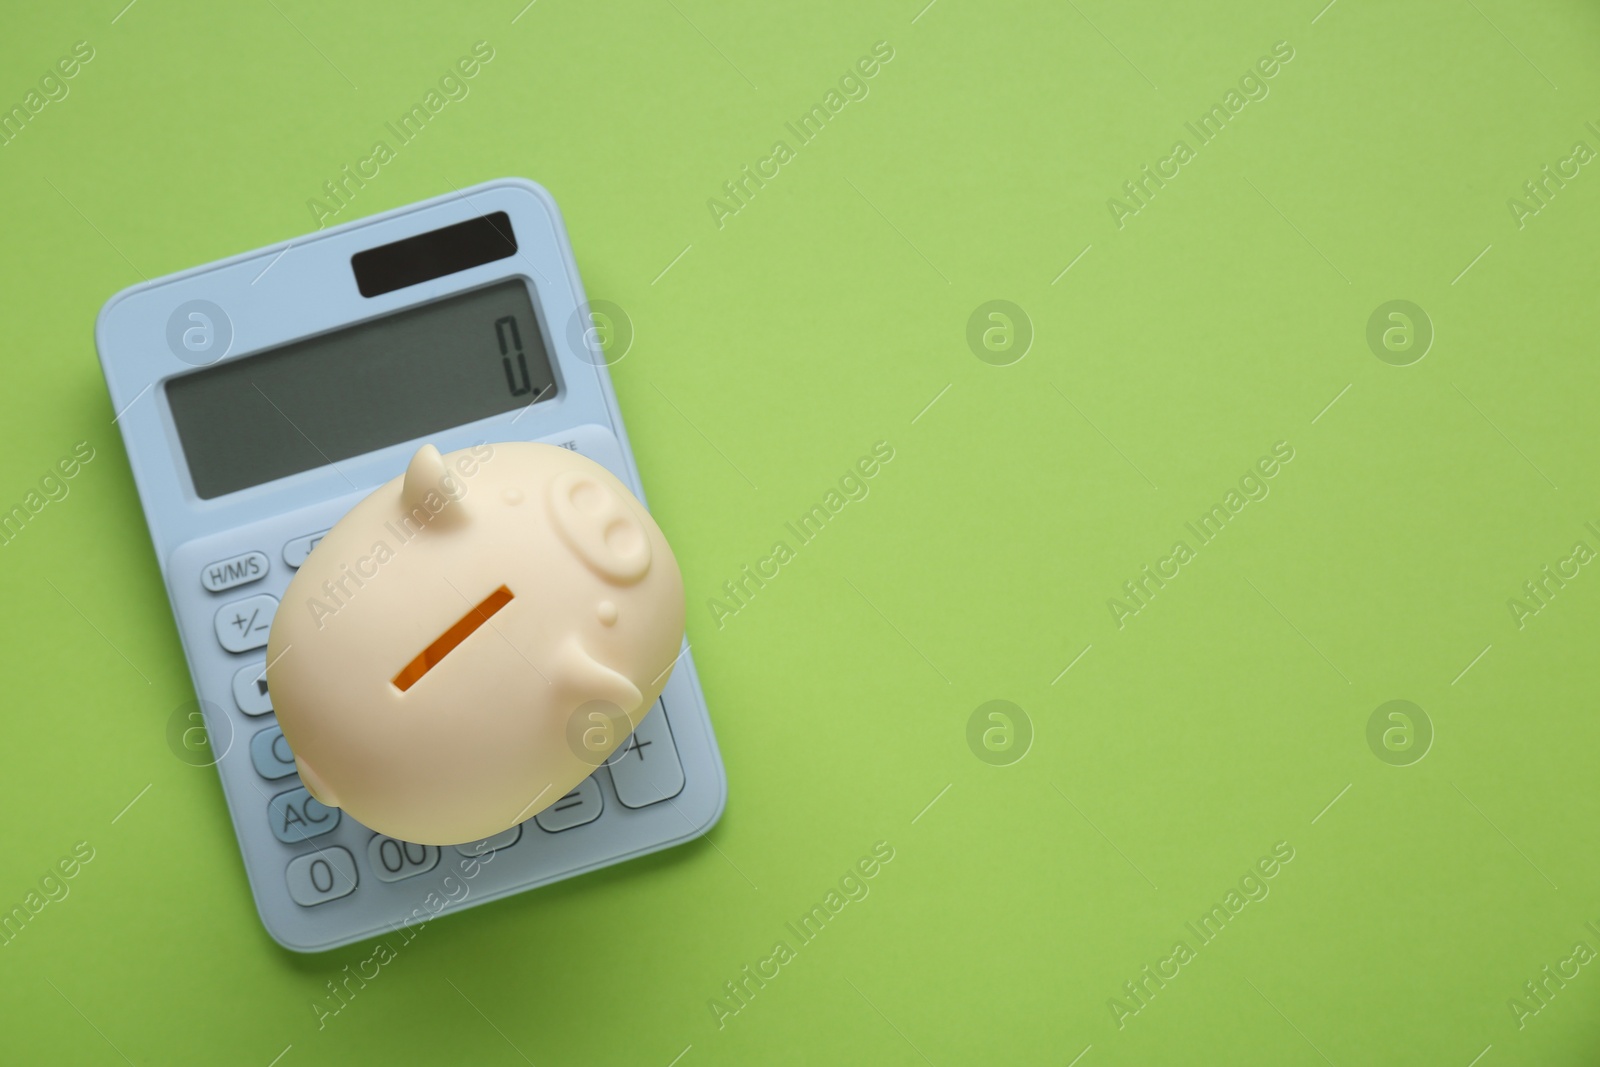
(429, 485)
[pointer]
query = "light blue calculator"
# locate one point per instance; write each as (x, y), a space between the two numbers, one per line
(261, 397)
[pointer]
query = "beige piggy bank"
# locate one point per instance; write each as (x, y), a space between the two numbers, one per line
(473, 639)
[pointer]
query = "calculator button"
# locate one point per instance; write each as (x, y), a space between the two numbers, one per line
(504, 839)
(645, 769)
(580, 806)
(269, 751)
(235, 571)
(250, 689)
(321, 876)
(298, 816)
(243, 624)
(296, 551)
(393, 861)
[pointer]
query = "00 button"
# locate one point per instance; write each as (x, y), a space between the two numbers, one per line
(393, 860)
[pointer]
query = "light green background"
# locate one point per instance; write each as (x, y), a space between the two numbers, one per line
(825, 316)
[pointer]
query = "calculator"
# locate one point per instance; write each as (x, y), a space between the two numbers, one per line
(260, 398)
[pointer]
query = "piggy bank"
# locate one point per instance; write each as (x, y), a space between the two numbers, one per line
(473, 639)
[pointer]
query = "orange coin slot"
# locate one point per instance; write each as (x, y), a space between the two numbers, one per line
(429, 657)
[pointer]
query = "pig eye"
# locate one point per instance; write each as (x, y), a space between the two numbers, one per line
(597, 524)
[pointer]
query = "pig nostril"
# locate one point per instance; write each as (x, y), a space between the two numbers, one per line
(589, 497)
(624, 538)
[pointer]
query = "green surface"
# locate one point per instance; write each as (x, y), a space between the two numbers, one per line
(1226, 718)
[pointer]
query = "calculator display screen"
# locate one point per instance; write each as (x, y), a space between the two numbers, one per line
(342, 394)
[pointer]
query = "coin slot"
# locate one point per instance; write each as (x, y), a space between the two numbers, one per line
(463, 628)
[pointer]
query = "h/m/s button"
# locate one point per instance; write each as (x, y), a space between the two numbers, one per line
(235, 571)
